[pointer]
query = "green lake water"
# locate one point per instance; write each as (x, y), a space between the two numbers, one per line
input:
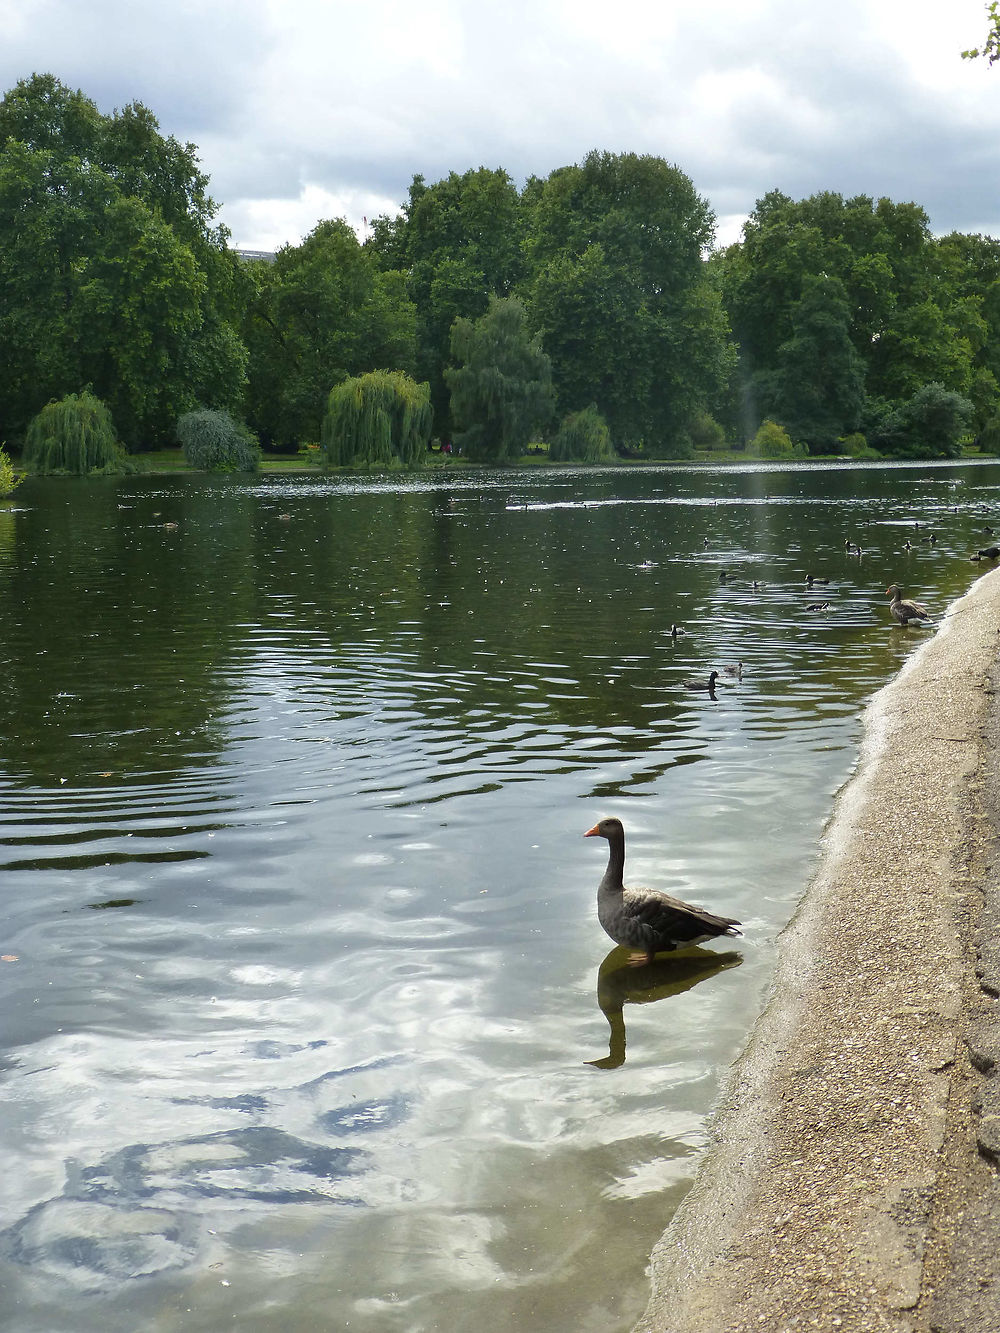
(308, 1021)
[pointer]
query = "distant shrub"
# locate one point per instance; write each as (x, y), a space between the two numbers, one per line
(583, 437)
(706, 433)
(213, 442)
(856, 446)
(74, 435)
(8, 477)
(773, 441)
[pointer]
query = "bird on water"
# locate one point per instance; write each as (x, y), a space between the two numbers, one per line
(645, 920)
(696, 683)
(902, 609)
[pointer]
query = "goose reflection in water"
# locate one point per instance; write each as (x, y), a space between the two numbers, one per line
(619, 984)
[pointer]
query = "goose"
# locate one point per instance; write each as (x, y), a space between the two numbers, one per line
(736, 670)
(905, 611)
(989, 552)
(644, 920)
(677, 631)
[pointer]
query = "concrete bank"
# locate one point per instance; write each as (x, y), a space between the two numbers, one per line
(851, 1184)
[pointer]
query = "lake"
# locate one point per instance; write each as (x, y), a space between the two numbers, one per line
(308, 1018)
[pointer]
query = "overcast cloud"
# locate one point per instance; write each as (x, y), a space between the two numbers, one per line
(307, 109)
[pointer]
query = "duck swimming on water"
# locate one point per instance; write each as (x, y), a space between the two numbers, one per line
(644, 920)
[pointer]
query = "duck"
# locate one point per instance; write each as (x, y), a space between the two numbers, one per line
(677, 631)
(811, 579)
(818, 606)
(902, 610)
(989, 553)
(700, 684)
(645, 920)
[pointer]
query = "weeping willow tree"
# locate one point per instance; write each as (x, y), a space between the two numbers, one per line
(74, 435)
(583, 437)
(501, 388)
(376, 419)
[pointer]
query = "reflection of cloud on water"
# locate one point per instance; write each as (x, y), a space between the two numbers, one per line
(96, 1244)
(148, 1208)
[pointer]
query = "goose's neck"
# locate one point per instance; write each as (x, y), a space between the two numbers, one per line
(616, 863)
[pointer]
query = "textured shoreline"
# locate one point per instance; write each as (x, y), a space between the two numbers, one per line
(847, 1185)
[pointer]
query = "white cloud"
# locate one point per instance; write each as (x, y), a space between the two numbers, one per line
(304, 109)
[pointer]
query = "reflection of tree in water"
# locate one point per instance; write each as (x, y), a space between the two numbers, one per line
(115, 626)
(619, 984)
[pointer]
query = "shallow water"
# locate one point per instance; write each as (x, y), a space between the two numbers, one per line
(311, 1022)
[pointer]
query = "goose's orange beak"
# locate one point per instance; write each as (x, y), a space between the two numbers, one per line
(594, 832)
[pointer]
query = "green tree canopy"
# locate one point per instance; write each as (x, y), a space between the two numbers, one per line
(910, 307)
(501, 385)
(9, 479)
(928, 425)
(460, 240)
(111, 271)
(322, 312)
(818, 383)
(990, 48)
(377, 419)
(618, 289)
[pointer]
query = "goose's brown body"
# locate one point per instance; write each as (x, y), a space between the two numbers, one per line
(903, 610)
(645, 920)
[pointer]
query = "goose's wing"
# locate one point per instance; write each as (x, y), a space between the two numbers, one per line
(670, 918)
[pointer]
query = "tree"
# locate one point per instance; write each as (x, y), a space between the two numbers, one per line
(619, 291)
(460, 241)
(970, 272)
(111, 271)
(377, 419)
(501, 390)
(213, 442)
(928, 425)
(9, 480)
(991, 45)
(773, 441)
(74, 435)
(818, 384)
(322, 312)
(813, 275)
(583, 437)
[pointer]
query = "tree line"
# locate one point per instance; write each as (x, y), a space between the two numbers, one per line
(587, 309)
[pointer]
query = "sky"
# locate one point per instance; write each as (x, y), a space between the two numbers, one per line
(303, 110)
